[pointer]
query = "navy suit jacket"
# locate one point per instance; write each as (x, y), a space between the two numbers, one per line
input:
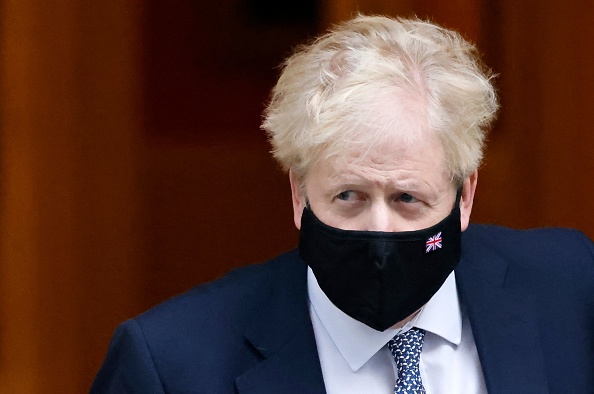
(529, 296)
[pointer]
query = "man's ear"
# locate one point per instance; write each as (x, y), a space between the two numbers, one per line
(297, 197)
(468, 189)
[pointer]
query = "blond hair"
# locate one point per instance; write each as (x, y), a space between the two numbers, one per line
(332, 94)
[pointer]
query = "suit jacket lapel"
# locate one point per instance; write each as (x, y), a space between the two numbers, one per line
(504, 325)
(283, 334)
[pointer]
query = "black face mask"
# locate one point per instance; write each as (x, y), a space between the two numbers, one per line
(380, 278)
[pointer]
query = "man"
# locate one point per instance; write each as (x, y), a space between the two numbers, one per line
(380, 125)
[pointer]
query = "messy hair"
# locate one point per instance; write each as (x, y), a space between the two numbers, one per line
(332, 94)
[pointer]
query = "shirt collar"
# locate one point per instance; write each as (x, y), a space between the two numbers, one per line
(358, 342)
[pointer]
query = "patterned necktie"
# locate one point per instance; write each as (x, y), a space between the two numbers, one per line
(406, 350)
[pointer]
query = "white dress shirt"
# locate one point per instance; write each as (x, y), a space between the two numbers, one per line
(355, 358)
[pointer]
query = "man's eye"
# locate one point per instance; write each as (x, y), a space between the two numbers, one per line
(346, 195)
(407, 198)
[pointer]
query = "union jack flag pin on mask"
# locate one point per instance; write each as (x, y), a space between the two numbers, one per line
(433, 243)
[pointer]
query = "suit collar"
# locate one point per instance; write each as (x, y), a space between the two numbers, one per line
(503, 322)
(282, 333)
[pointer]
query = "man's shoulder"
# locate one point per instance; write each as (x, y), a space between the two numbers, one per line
(564, 254)
(534, 240)
(229, 297)
(188, 340)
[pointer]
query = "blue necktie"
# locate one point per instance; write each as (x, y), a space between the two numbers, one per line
(406, 350)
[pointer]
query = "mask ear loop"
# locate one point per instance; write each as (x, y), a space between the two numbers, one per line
(307, 204)
(458, 196)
